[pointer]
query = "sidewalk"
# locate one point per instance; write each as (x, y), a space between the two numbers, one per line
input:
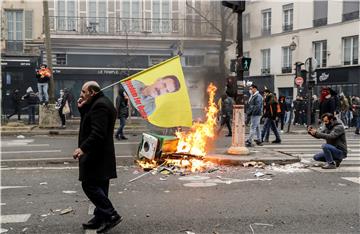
(133, 126)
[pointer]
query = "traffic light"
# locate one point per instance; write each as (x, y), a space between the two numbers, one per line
(245, 63)
(236, 6)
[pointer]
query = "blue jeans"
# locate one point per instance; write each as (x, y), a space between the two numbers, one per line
(43, 91)
(254, 128)
(269, 123)
(358, 122)
(31, 112)
(329, 154)
(120, 131)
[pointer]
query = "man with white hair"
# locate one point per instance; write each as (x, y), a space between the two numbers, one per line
(96, 154)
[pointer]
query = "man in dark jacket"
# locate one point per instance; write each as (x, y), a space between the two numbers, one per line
(335, 149)
(32, 100)
(122, 110)
(254, 111)
(96, 154)
(226, 111)
(270, 115)
(16, 100)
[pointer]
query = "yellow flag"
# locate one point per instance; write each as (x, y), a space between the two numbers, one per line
(160, 94)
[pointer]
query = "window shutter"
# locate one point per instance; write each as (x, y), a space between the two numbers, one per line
(28, 25)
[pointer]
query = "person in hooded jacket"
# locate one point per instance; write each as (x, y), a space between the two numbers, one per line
(32, 100)
(16, 100)
(335, 149)
(227, 104)
(122, 109)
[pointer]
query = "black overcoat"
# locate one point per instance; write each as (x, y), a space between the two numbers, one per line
(96, 139)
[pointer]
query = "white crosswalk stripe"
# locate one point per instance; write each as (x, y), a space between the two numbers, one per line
(15, 218)
(306, 147)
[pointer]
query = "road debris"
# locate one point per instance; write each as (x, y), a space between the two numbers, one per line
(3, 230)
(163, 178)
(43, 183)
(66, 211)
(69, 191)
(254, 164)
(259, 224)
(259, 174)
(24, 229)
(20, 137)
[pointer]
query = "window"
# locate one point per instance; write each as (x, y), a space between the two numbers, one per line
(15, 30)
(288, 17)
(131, 15)
(320, 12)
(350, 10)
(97, 12)
(161, 16)
(194, 61)
(265, 65)
(61, 59)
(266, 22)
(66, 14)
(246, 26)
(193, 21)
(286, 60)
(350, 50)
(320, 53)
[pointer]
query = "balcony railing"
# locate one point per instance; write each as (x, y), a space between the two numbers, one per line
(133, 26)
(287, 27)
(265, 71)
(320, 22)
(14, 46)
(350, 16)
(286, 70)
(266, 31)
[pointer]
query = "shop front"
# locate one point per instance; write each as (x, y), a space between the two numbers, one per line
(343, 79)
(17, 73)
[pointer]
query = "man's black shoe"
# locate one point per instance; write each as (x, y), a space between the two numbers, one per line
(248, 144)
(277, 141)
(109, 224)
(93, 223)
(337, 163)
(258, 142)
(329, 166)
(123, 138)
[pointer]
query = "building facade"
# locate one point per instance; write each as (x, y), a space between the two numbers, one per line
(21, 46)
(293, 31)
(109, 40)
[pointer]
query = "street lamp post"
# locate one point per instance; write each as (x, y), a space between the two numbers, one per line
(238, 137)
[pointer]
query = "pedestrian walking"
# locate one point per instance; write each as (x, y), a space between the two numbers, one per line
(270, 115)
(356, 111)
(254, 111)
(283, 109)
(32, 100)
(335, 149)
(96, 154)
(43, 76)
(122, 110)
(16, 103)
(297, 110)
(314, 108)
(62, 107)
(226, 111)
(344, 110)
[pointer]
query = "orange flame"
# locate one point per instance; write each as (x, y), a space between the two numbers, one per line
(194, 141)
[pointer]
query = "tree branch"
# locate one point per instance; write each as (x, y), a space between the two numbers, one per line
(202, 16)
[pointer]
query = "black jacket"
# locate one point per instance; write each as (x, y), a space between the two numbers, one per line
(122, 106)
(31, 98)
(96, 140)
(327, 106)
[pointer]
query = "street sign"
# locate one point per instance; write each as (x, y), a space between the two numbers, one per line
(299, 81)
(314, 64)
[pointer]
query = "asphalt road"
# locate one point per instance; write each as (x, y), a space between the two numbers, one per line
(230, 200)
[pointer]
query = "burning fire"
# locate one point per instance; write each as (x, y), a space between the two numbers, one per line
(194, 141)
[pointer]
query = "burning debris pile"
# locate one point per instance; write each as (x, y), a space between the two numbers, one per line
(184, 152)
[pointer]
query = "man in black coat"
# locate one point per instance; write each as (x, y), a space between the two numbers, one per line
(96, 154)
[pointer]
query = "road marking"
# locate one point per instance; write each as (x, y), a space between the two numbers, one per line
(300, 146)
(352, 179)
(32, 151)
(3, 204)
(127, 143)
(43, 168)
(355, 169)
(19, 218)
(21, 145)
(51, 159)
(11, 187)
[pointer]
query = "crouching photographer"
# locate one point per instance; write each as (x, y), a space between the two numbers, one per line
(335, 149)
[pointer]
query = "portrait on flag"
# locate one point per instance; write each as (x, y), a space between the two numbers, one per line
(160, 94)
